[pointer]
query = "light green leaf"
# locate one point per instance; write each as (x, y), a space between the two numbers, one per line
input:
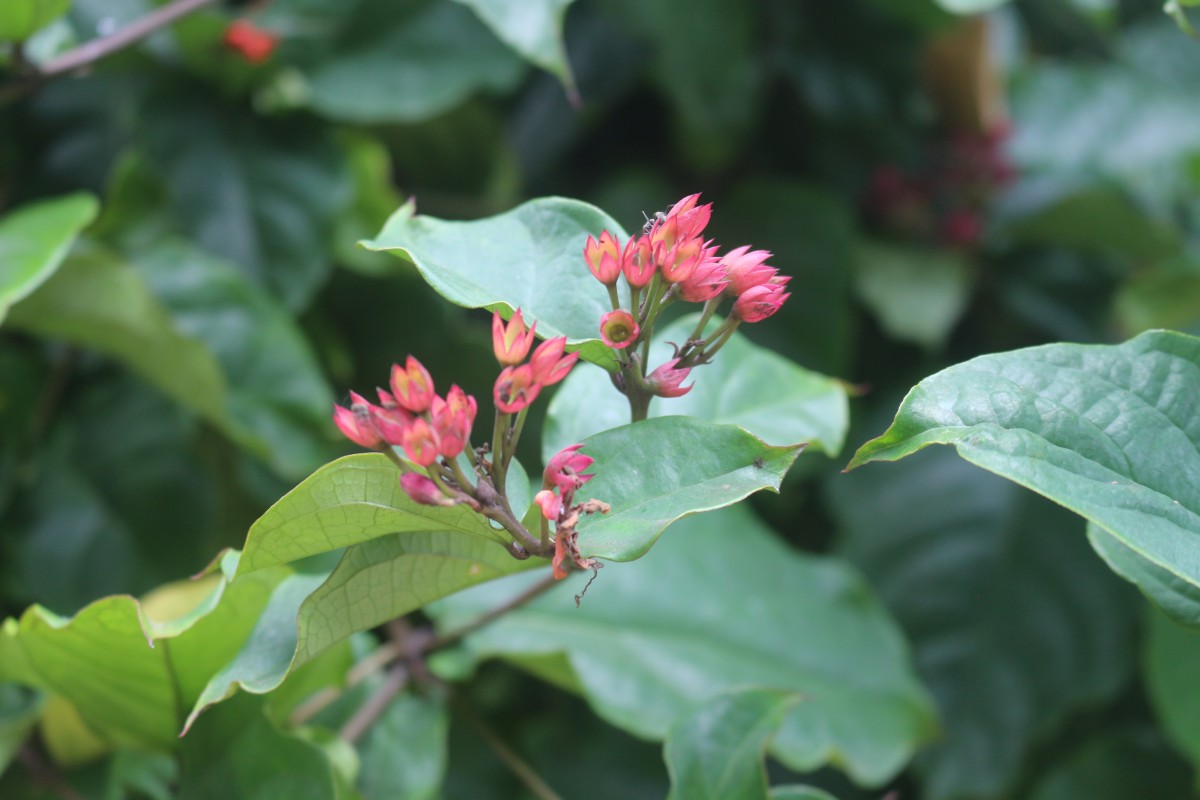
(97, 301)
(970, 6)
(716, 750)
(531, 27)
(1110, 432)
(1014, 624)
(1165, 296)
(917, 295)
(404, 752)
(21, 18)
(799, 793)
(351, 500)
(746, 385)
(1172, 662)
(530, 257)
(654, 638)
(35, 239)
(660, 470)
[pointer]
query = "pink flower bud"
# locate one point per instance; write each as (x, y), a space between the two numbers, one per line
(708, 281)
(549, 363)
(452, 420)
(356, 423)
(638, 262)
(667, 379)
(253, 43)
(759, 302)
(745, 268)
(683, 259)
(549, 503)
(412, 386)
(618, 329)
(391, 422)
(603, 258)
(420, 443)
(423, 490)
(515, 389)
(511, 342)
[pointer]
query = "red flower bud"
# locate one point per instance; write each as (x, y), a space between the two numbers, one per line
(667, 379)
(412, 386)
(254, 44)
(759, 302)
(603, 258)
(511, 342)
(420, 443)
(549, 363)
(515, 389)
(423, 490)
(618, 329)
(356, 423)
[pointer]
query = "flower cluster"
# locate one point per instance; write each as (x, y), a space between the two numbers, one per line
(519, 384)
(434, 432)
(672, 261)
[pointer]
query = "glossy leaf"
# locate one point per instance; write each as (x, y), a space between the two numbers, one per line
(379, 61)
(21, 18)
(660, 470)
(404, 753)
(1172, 660)
(529, 258)
(917, 295)
(801, 406)
(1110, 432)
(35, 239)
(1015, 625)
(264, 197)
(532, 28)
(652, 639)
(716, 750)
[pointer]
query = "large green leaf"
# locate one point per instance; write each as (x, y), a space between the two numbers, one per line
(746, 385)
(716, 750)
(388, 61)
(654, 638)
(660, 470)
(404, 753)
(21, 18)
(531, 27)
(1015, 624)
(1127, 762)
(265, 196)
(34, 240)
(530, 257)
(1110, 432)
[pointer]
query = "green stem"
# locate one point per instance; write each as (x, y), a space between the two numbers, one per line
(613, 297)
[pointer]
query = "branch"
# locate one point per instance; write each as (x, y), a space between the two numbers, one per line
(90, 52)
(519, 766)
(447, 639)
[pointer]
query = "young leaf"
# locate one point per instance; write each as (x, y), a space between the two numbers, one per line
(653, 638)
(34, 240)
(716, 750)
(1112, 432)
(21, 18)
(746, 385)
(530, 257)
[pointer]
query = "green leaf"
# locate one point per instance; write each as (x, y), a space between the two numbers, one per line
(375, 198)
(1110, 432)
(970, 6)
(746, 385)
(1172, 660)
(529, 258)
(263, 195)
(1125, 762)
(531, 27)
(658, 471)
(131, 676)
(717, 749)
(235, 751)
(97, 301)
(1099, 219)
(654, 638)
(20, 709)
(917, 295)
(35, 239)
(1014, 624)
(799, 793)
(382, 61)
(21, 18)
(351, 500)
(404, 752)
(1164, 296)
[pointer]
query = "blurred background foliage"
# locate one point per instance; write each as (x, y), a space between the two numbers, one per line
(940, 185)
